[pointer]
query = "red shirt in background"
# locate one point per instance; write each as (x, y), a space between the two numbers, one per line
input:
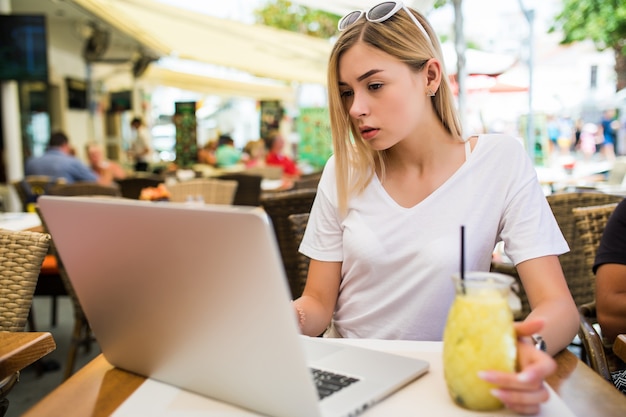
(289, 166)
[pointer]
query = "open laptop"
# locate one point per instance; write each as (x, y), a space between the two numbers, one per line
(196, 297)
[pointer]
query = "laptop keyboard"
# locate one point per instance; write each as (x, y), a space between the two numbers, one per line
(328, 383)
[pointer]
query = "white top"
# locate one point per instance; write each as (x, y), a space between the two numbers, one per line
(140, 147)
(398, 262)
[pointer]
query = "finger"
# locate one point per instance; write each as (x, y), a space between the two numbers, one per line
(523, 402)
(528, 327)
(535, 367)
(534, 363)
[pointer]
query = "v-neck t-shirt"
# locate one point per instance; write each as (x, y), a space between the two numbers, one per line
(398, 262)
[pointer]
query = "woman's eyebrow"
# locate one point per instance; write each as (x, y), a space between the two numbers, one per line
(369, 74)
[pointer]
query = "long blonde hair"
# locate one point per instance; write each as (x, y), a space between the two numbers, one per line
(399, 37)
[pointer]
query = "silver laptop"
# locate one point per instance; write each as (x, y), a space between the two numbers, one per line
(196, 297)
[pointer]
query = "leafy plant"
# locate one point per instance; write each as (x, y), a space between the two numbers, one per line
(601, 21)
(283, 14)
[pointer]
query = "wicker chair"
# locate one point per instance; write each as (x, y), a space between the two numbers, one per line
(31, 187)
(131, 187)
(267, 172)
(85, 189)
(590, 224)
(248, 188)
(573, 262)
(574, 269)
(213, 191)
(297, 223)
(21, 255)
(308, 181)
(279, 206)
(81, 334)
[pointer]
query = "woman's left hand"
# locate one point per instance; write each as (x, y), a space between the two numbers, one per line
(524, 391)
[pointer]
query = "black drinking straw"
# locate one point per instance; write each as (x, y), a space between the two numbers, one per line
(463, 258)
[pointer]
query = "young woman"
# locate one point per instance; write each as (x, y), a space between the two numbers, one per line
(384, 231)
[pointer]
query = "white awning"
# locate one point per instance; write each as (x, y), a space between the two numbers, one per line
(259, 50)
(218, 86)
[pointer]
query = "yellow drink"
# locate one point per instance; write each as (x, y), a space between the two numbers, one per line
(479, 336)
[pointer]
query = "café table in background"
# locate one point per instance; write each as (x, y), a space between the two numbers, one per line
(18, 221)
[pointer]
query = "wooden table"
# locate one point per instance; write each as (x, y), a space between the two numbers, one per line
(99, 388)
(20, 349)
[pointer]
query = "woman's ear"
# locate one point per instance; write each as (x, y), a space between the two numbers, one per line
(433, 75)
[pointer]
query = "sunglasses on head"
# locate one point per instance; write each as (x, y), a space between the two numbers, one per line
(380, 13)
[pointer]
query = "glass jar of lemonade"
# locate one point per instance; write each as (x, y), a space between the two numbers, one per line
(478, 336)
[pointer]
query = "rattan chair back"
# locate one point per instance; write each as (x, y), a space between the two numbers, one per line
(308, 181)
(32, 186)
(270, 172)
(21, 255)
(212, 190)
(248, 188)
(279, 206)
(297, 223)
(85, 189)
(81, 333)
(573, 262)
(131, 187)
(590, 224)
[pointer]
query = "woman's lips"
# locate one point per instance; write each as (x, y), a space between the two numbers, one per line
(368, 133)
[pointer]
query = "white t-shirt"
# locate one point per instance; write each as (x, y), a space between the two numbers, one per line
(397, 262)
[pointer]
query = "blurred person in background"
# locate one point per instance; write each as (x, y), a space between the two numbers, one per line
(206, 154)
(609, 126)
(255, 149)
(59, 162)
(107, 170)
(227, 155)
(275, 144)
(139, 150)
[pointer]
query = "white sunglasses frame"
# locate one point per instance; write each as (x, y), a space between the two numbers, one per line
(397, 6)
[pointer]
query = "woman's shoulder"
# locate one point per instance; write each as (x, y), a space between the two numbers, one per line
(500, 141)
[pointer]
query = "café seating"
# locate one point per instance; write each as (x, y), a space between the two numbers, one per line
(308, 180)
(21, 255)
(31, 187)
(51, 282)
(298, 224)
(81, 334)
(562, 205)
(131, 187)
(248, 188)
(279, 206)
(85, 189)
(211, 190)
(590, 224)
(573, 262)
(268, 172)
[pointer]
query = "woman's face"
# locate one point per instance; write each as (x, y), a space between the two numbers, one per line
(385, 99)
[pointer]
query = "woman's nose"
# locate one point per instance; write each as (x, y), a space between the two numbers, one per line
(359, 107)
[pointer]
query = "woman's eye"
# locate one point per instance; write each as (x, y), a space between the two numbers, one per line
(346, 93)
(375, 86)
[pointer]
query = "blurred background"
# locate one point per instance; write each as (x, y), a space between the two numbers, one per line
(536, 69)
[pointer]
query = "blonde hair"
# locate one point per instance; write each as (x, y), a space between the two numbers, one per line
(399, 37)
